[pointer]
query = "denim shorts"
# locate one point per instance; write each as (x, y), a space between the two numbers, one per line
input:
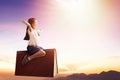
(33, 49)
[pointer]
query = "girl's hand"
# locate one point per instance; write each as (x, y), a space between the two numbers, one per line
(39, 30)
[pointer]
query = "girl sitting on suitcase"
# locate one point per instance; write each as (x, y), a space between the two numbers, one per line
(32, 35)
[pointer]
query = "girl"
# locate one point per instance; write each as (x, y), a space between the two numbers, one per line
(32, 35)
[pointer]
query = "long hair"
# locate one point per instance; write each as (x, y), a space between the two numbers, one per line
(30, 21)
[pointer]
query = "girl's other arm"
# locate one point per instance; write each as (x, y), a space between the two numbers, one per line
(39, 31)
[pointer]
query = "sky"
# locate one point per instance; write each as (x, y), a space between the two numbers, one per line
(85, 33)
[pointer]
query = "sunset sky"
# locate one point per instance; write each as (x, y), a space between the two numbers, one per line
(85, 33)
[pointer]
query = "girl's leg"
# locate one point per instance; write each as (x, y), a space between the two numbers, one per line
(40, 53)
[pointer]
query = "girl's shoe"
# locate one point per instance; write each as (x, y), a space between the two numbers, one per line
(25, 59)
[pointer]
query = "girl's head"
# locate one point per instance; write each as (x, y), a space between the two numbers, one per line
(33, 22)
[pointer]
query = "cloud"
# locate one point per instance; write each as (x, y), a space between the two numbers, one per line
(115, 57)
(7, 59)
(71, 68)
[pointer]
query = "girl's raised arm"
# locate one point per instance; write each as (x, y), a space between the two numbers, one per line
(27, 24)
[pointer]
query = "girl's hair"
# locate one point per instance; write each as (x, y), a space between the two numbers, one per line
(30, 21)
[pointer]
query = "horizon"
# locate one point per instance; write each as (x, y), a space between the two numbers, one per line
(111, 75)
(85, 33)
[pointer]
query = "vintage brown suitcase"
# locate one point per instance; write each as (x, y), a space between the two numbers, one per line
(43, 66)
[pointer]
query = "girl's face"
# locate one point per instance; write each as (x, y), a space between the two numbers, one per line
(34, 25)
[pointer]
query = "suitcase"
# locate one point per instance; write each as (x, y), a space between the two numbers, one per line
(42, 67)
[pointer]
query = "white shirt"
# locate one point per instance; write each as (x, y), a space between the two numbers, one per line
(34, 37)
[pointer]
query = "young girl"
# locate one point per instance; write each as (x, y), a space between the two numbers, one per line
(32, 35)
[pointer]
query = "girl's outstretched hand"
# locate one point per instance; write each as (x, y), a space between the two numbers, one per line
(39, 30)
